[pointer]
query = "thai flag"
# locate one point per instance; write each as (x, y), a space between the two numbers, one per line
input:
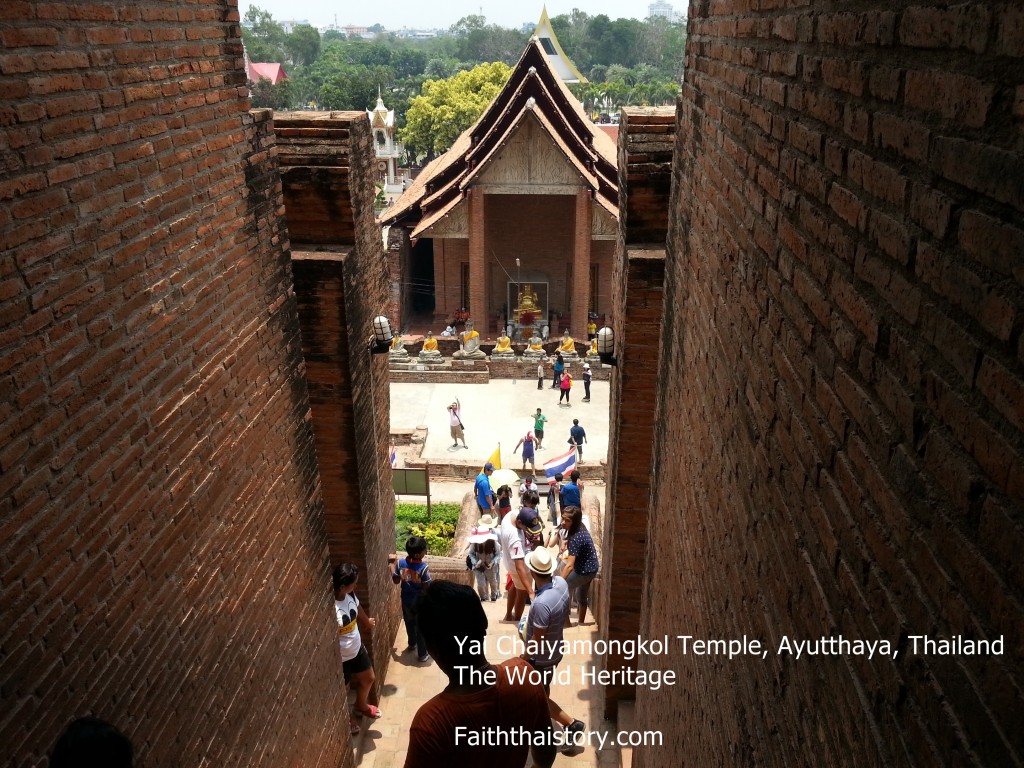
(565, 464)
(393, 454)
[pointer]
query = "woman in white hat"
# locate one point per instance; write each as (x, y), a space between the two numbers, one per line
(483, 559)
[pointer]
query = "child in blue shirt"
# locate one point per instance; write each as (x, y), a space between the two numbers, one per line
(413, 574)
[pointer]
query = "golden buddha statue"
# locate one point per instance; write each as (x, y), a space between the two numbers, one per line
(527, 304)
(430, 343)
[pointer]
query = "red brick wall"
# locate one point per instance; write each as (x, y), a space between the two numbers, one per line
(646, 137)
(449, 255)
(162, 549)
(843, 380)
(340, 288)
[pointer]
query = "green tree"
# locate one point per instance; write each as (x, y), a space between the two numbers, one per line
(448, 107)
(353, 87)
(302, 45)
(263, 37)
(478, 41)
(266, 94)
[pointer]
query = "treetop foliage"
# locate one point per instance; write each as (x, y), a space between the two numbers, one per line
(448, 107)
(627, 62)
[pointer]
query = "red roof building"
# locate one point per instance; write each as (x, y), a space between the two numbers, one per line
(273, 72)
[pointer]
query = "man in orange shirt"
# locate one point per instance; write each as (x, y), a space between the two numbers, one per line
(487, 715)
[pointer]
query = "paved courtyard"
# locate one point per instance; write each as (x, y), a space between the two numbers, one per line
(501, 411)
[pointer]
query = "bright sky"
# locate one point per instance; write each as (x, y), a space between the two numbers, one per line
(423, 14)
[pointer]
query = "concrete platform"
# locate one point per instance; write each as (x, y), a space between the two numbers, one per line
(500, 411)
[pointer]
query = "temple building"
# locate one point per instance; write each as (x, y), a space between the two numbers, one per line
(516, 223)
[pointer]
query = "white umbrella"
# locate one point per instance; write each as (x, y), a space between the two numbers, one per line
(500, 477)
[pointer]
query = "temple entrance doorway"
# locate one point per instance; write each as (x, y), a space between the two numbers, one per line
(421, 277)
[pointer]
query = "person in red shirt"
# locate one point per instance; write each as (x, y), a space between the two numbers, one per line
(458, 726)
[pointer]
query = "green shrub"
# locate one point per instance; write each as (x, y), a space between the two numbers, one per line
(438, 530)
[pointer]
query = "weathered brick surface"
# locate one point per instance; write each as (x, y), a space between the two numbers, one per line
(162, 548)
(340, 288)
(646, 138)
(841, 384)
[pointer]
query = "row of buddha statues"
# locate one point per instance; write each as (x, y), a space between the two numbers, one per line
(469, 348)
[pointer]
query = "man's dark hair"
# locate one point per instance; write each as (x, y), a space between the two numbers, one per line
(558, 477)
(344, 574)
(574, 475)
(416, 545)
(531, 499)
(576, 422)
(446, 611)
(92, 743)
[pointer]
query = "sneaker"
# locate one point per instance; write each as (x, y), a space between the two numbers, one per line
(424, 658)
(455, 445)
(410, 647)
(573, 741)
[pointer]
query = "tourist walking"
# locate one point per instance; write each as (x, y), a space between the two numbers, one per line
(545, 625)
(581, 563)
(517, 581)
(454, 626)
(540, 375)
(587, 376)
(455, 422)
(483, 559)
(357, 668)
(565, 385)
(577, 437)
(528, 443)
(539, 419)
(483, 491)
(572, 492)
(413, 574)
(559, 366)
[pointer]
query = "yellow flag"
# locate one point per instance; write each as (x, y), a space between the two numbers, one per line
(496, 457)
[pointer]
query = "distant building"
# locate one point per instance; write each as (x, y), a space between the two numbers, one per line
(289, 26)
(556, 57)
(387, 150)
(273, 72)
(660, 9)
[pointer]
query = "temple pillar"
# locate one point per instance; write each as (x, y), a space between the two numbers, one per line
(581, 265)
(477, 260)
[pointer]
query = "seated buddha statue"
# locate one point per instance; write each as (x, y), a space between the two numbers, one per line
(568, 347)
(503, 348)
(430, 353)
(592, 349)
(398, 351)
(470, 349)
(535, 348)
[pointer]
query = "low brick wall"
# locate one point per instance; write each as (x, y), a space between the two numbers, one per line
(438, 376)
(482, 371)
